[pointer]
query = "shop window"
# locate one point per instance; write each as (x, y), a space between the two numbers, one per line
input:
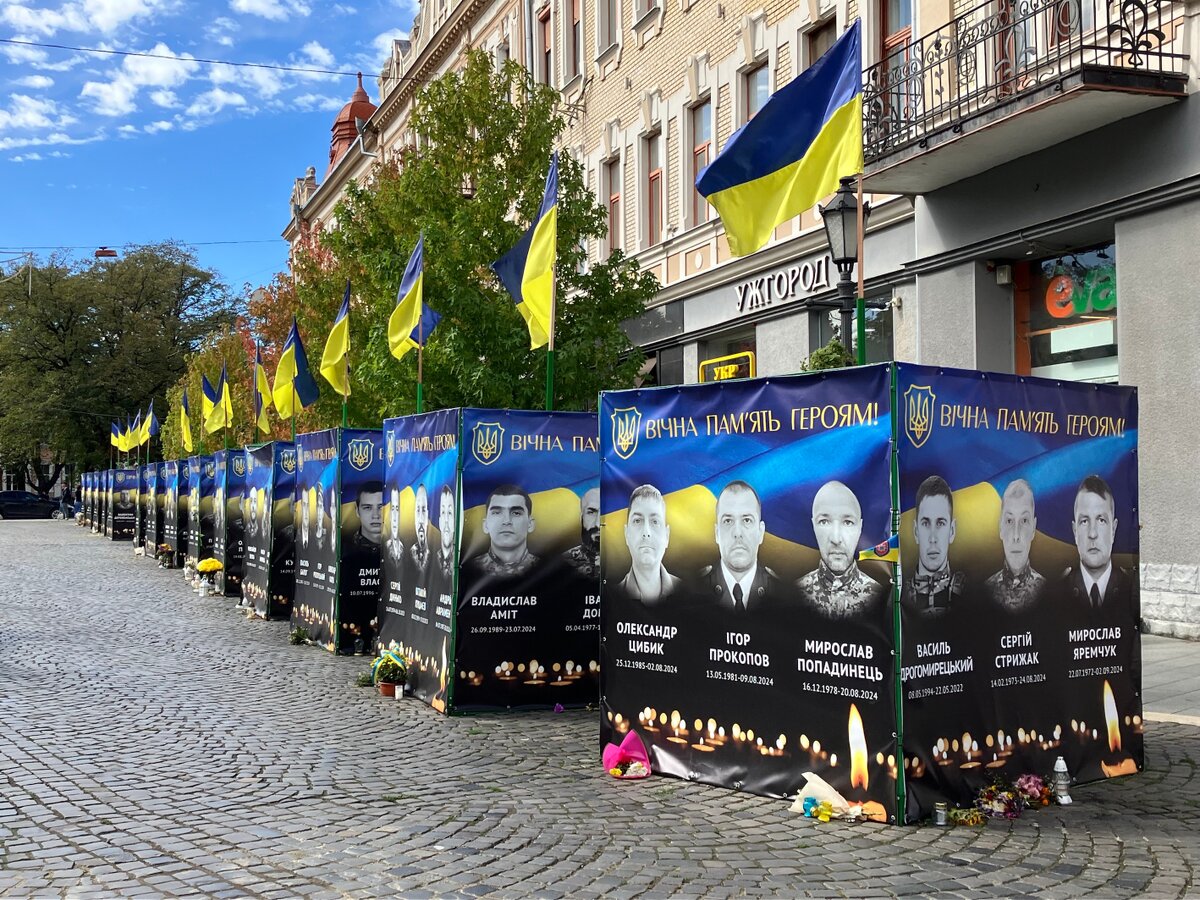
(669, 369)
(734, 350)
(1066, 316)
(878, 329)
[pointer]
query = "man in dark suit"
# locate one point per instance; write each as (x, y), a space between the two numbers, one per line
(736, 584)
(1096, 585)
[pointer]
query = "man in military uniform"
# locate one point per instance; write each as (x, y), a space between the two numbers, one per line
(933, 589)
(584, 557)
(305, 523)
(838, 588)
(1102, 591)
(416, 581)
(393, 548)
(1017, 586)
(369, 505)
(647, 535)
(507, 521)
(441, 574)
(320, 523)
(736, 584)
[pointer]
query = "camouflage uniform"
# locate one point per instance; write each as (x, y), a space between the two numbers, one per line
(490, 565)
(842, 596)
(583, 560)
(933, 595)
(1018, 592)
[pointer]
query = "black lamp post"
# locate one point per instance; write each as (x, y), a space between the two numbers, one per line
(841, 230)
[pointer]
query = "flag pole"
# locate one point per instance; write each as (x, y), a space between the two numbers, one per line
(293, 386)
(550, 347)
(346, 396)
(421, 362)
(860, 303)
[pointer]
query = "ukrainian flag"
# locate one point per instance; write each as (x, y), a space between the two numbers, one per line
(794, 151)
(293, 380)
(527, 270)
(208, 400)
(185, 423)
(888, 551)
(149, 424)
(114, 437)
(221, 414)
(262, 394)
(135, 431)
(406, 316)
(335, 361)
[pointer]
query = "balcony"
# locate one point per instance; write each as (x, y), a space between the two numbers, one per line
(1012, 77)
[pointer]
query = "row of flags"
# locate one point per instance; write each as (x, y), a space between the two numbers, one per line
(787, 157)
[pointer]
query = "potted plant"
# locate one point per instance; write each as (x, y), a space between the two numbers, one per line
(207, 568)
(164, 554)
(390, 671)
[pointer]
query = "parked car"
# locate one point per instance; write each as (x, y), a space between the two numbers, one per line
(24, 505)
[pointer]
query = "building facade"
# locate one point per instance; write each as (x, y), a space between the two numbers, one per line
(1033, 171)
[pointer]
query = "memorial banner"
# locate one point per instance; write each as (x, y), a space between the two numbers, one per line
(144, 473)
(420, 565)
(229, 534)
(106, 502)
(199, 520)
(175, 508)
(339, 489)
(527, 617)
(89, 498)
(743, 639)
(270, 530)
(1020, 604)
(155, 500)
(124, 504)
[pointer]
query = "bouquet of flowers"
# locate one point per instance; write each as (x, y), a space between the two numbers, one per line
(629, 760)
(1000, 799)
(1034, 790)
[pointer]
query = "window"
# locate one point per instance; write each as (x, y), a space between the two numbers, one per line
(612, 184)
(547, 43)
(645, 7)
(576, 39)
(757, 90)
(701, 126)
(654, 198)
(878, 329)
(819, 40)
(606, 24)
(501, 54)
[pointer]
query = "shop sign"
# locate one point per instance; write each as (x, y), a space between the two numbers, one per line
(1096, 291)
(737, 365)
(800, 280)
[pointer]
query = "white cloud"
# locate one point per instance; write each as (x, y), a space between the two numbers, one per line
(118, 97)
(220, 30)
(26, 157)
(342, 10)
(35, 81)
(29, 114)
(155, 127)
(317, 102)
(381, 45)
(317, 55)
(115, 98)
(212, 102)
(129, 130)
(264, 82)
(57, 138)
(165, 99)
(275, 10)
(80, 16)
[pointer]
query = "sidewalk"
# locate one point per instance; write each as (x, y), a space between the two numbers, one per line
(1170, 680)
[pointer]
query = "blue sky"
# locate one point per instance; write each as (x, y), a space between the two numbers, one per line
(109, 150)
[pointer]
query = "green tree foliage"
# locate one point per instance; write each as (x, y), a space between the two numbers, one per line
(474, 185)
(96, 341)
(832, 356)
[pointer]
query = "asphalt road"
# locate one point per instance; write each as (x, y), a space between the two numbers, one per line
(153, 743)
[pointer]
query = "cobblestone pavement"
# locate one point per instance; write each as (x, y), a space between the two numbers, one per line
(153, 743)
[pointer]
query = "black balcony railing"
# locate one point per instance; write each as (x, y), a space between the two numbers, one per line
(1005, 49)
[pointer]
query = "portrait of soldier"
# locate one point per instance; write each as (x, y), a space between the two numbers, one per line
(838, 588)
(647, 536)
(219, 511)
(264, 511)
(441, 579)
(1096, 585)
(584, 557)
(507, 521)
(737, 584)
(252, 525)
(305, 527)
(933, 588)
(418, 553)
(1017, 586)
(369, 505)
(320, 523)
(394, 547)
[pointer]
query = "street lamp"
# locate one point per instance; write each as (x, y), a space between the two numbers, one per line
(841, 218)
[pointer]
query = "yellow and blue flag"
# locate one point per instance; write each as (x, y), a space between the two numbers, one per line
(794, 150)
(335, 361)
(221, 413)
(185, 423)
(262, 394)
(149, 424)
(114, 437)
(208, 399)
(293, 380)
(406, 316)
(527, 270)
(888, 551)
(135, 431)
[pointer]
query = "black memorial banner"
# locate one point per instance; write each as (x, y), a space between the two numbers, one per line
(155, 502)
(89, 498)
(105, 516)
(229, 540)
(269, 504)
(743, 639)
(339, 492)
(1020, 604)
(527, 617)
(175, 509)
(420, 548)
(199, 520)
(124, 504)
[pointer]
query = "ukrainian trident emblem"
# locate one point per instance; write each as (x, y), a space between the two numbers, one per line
(919, 403)
(287, 460)
(626, 426)
(239, 466)
(359, 453)
(488, 442)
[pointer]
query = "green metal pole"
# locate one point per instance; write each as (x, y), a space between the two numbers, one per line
(420, 397)
(897, 632)
(549, 380)
(860, 329)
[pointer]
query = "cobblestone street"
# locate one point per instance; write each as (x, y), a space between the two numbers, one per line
(155, 743)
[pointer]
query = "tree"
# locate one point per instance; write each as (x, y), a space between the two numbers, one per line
(94, 343)
(475, 184)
